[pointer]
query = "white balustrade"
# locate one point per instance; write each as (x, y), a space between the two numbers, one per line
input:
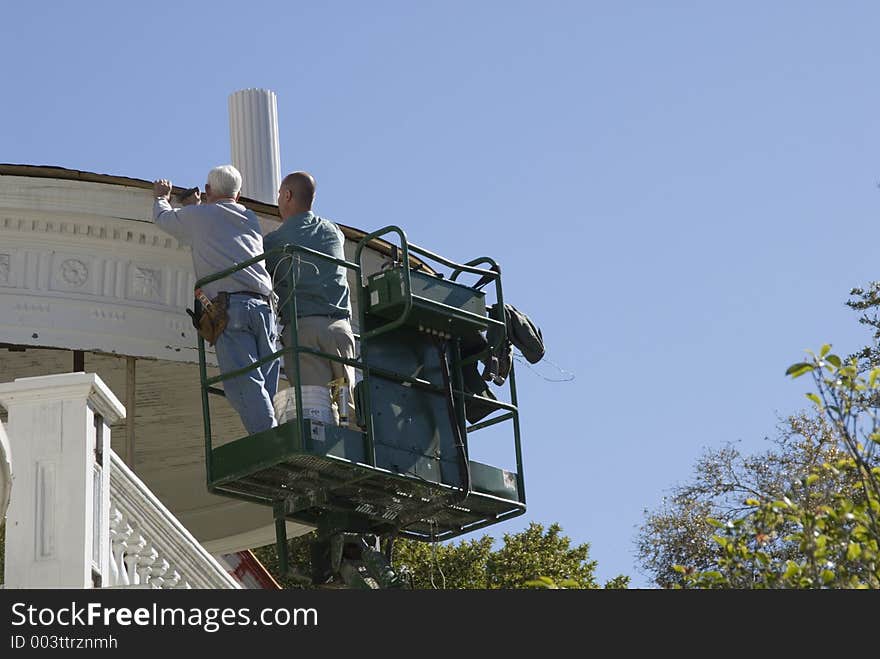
(150, 547)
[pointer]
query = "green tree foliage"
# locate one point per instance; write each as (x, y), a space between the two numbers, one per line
(866, 302)
(804, 515)
(681, 531)
(835, 546)
(532, 555)
(459, 566)
(837, 542)
(299, 559)
(532, 558)
(535, 553)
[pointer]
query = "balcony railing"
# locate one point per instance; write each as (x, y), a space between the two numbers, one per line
(150, 548)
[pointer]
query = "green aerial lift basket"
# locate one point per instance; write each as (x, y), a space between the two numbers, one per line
(408, 471)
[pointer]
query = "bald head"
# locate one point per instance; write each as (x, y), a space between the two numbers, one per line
(296, 194)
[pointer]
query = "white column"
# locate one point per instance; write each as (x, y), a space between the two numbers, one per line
(5, 471)
(253, 132)
(57, 529)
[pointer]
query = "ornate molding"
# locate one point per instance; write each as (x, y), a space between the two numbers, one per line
(143, 233)
(74, 272)
(111, 276)
(146, 283)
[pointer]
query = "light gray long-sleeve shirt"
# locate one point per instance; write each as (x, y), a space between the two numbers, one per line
(221, 235)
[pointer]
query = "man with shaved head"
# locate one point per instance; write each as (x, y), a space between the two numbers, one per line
(323, 309)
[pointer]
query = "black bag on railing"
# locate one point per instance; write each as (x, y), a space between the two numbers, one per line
(522, 333)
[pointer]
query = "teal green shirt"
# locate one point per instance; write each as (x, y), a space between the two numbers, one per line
(321, 286)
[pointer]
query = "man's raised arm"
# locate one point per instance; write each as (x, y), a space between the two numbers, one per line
(167, 218)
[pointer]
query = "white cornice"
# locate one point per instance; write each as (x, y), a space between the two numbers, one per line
(46, 194)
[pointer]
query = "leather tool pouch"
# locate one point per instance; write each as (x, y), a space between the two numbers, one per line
(210, 320)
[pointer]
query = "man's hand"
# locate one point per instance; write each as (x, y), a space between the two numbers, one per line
(191, 197)
(162, 188)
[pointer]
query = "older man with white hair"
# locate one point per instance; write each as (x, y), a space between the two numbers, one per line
(223, 233)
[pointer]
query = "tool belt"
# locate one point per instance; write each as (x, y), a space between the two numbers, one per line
(210, 317)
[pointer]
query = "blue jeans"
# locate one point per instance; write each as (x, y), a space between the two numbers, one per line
(250, 335)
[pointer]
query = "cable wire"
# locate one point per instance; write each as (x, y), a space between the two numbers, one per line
(568, 375)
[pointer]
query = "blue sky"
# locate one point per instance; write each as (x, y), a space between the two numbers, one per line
(677, 191)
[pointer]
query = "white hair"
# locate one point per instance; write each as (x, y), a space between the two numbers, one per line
(225, 181)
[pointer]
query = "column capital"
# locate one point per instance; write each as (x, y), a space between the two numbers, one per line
(64, 386)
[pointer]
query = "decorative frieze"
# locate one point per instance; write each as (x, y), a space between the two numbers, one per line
(70, 273)
(146, 284)
(74, 272)
(93, 293)
(99, 273)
